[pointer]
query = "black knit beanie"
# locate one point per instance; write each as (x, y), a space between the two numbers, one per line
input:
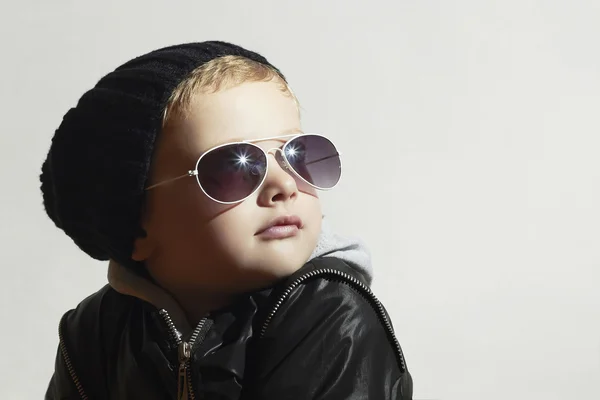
(94, 178)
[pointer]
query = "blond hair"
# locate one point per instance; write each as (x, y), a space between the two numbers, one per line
(219, 74)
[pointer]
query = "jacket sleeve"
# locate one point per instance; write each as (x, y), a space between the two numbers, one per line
(78, 366)
(328, 342)
(61, 384)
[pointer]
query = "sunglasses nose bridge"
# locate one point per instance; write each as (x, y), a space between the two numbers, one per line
(274, 150)
(279, 157)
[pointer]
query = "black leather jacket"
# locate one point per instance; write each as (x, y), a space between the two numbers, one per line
(321, 334)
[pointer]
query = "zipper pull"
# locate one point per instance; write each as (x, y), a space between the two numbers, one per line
(184, 351)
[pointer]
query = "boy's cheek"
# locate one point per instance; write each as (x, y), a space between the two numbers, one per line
(305, 188)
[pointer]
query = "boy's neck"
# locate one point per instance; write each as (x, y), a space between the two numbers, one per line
(186, 306)
(197, 306)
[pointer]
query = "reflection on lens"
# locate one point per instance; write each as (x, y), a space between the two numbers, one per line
(315, 159)
(231, 173)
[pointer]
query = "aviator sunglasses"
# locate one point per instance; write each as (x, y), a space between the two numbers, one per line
(232, 172)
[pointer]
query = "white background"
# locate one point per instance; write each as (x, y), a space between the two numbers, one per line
(470, 131)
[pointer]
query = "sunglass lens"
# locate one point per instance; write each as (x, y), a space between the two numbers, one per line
(233, 172)
(315, 159)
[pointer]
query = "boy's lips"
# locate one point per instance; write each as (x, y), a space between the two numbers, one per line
(281, 227)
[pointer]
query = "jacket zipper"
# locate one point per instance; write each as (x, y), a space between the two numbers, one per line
(185, 388)
(67, 359)
(357, 285)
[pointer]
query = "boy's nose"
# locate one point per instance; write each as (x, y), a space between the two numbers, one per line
(279, 185)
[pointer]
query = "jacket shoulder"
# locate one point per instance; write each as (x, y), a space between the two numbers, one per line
(85, 333)
(326, 319)
(324, 288)
(88, 317)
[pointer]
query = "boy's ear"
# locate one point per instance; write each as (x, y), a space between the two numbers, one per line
(143, 246)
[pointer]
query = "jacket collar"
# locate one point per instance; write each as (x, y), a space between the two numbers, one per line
(129, 283)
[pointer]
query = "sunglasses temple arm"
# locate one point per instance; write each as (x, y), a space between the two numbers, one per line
(189, 173)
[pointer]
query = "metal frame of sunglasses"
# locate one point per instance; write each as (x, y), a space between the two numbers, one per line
(281, 150)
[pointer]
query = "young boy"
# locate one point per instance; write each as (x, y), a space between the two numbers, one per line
(187, 168)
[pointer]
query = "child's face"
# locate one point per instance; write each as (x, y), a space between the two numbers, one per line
(194, 242)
